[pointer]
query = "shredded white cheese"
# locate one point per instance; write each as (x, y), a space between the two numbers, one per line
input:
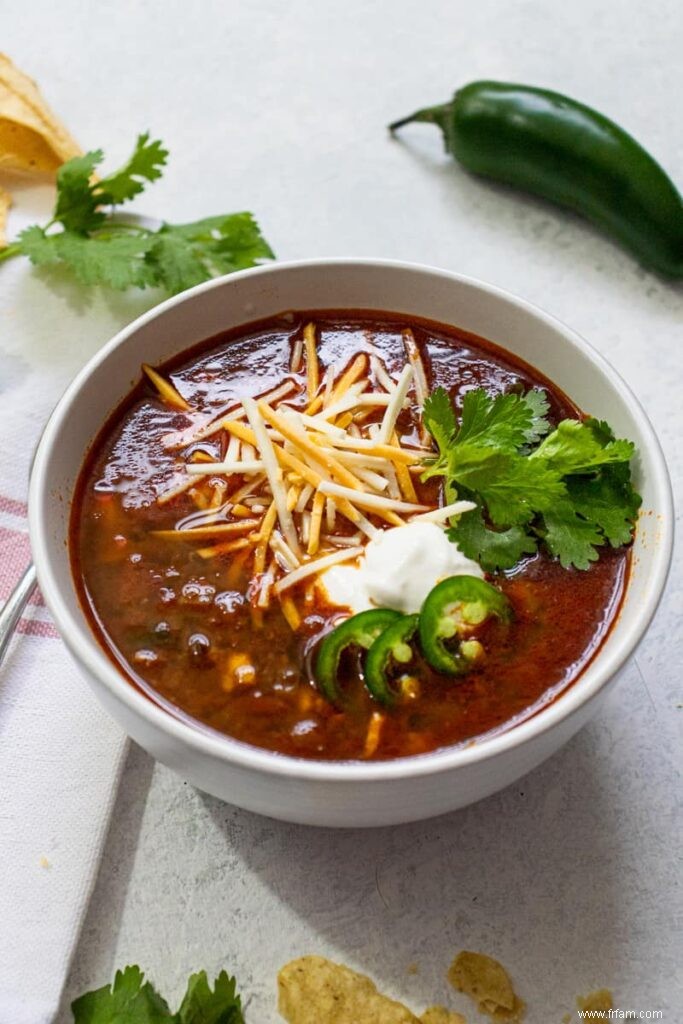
(370, 501)
(316, 566)
(273, 472)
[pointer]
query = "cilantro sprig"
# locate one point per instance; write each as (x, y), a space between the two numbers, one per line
(132, 1000)
(568, 488)
(87, 235)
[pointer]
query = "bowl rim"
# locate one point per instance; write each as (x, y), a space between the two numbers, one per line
(87, 651)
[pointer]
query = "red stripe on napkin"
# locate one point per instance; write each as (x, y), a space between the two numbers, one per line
(13, 507)
(15, 555)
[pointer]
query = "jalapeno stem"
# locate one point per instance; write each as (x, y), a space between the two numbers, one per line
(430, 115)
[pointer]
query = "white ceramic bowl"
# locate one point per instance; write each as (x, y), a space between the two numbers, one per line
(342, 794)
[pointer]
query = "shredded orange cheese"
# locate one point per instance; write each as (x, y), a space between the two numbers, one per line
(320, 445)
(166, 390)
(312, 367)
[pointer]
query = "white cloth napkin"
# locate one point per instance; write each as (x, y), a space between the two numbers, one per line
(61, 756)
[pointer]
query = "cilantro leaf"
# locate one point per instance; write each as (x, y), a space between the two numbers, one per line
(100, 250)
(76, 207)
(577, 447)
(493, 549)
(571, 488)
(130, 1000)
(202, 1006)
(40, 247)
(118, 261)
(144, 165)
(505, 422)
(186, 254)
(537, 401)
(439, 418)
(511, 486)
(570, 537)
(609, 501)
(176, 263)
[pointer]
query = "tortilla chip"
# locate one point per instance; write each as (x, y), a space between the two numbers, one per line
(32, 139)
(596, 1001)
(440, 1015)
(312, 990)
(487, 982)
(5, 204)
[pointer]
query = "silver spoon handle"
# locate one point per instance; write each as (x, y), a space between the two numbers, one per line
(14, 606)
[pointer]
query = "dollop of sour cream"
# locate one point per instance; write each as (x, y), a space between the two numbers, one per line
(397, 570)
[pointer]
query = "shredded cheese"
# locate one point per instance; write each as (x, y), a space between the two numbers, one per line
(283, 552)
(292, 497)
(403, 476)
(375, 502)
(406, 455)
(273, 472)
(266, 586)
(304, 497)
(415, 360)
(395, 405)
(217, 530)
(173, 492)
(300, 441)
(309, 450)
(421, 385)
(232, 453)
(346, 402)
(440, 515)
(372, 737)
(357, 368)
(314, 567)
(344, 542)
(330, 515)
(290, 612)
(217, 421)
(222, 549)
(264, 538)
(245, 489)
(166, 390)
(316, 521)
(372, 479)
(312, 367)
(381, 375)
(207, 468)
(297, 356)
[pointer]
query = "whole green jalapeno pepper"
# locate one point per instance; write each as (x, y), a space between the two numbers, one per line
(392, 647)
(359, 631)
(548, 144)
(450, 611)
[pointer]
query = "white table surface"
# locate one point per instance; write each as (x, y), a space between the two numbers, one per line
(570, 877)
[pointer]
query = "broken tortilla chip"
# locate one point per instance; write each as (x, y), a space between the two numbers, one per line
(5, 204)
(598, 1002)
(440, 1015)
(32, 139)
(312, 990)
(487, 982)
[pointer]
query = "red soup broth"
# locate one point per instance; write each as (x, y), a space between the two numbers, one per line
(182, 626)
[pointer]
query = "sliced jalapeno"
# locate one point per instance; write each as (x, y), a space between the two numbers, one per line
(450, 611)
(359, 631)
(391, 648)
